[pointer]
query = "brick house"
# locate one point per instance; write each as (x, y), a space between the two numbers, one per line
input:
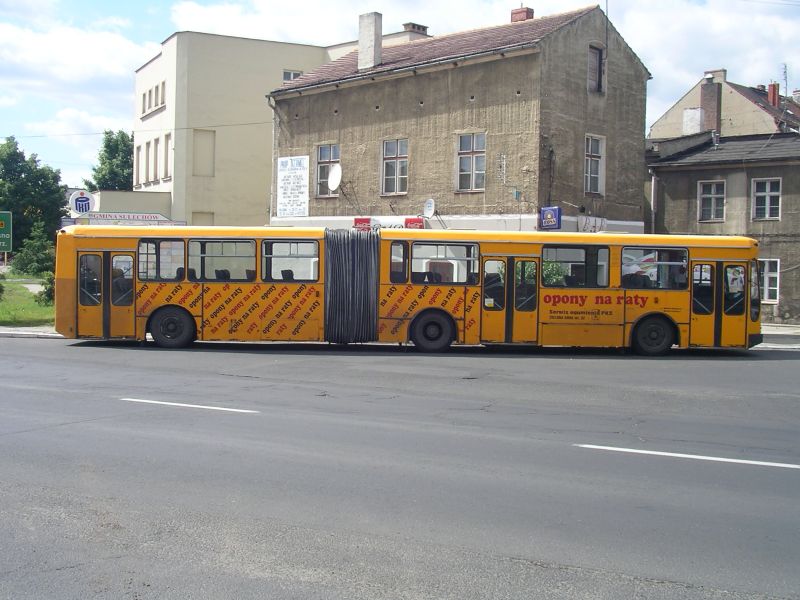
(489, 123)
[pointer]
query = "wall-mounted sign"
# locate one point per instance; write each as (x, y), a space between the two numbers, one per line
(550, 217)
(367, 223)
(292, 186)
(81, 202)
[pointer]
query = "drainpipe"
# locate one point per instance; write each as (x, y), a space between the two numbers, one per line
(653, 190)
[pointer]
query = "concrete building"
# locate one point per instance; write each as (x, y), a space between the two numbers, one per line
(492, 124)
(202, 131)
(731, 109)
(745, 185)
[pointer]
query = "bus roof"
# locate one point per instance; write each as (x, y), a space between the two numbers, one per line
(448, 235)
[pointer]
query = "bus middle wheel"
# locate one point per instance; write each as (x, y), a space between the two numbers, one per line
(172, 327)
(432, 332)
(653, 337)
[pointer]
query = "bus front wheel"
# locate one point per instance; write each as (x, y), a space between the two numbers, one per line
(172, 327)
(653, 337)
(432, 332)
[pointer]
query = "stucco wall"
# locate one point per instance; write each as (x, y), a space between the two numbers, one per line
(778, 239)
(570, 112)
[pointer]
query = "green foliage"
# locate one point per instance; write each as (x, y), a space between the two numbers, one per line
(19, 308)
(553, 273)
(38, 254)
(31, 192)
(1, 285)
(48, 294)
(114, 170)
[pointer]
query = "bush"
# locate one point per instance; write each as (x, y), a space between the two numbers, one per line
(1, 285)
(48, 294)
(37, 255)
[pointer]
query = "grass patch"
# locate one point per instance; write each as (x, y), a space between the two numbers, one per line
(18, 307)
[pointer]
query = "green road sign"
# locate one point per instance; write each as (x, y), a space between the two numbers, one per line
(5, 231)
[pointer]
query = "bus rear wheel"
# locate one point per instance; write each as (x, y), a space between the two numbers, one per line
(653, 337)
(172, 327)
(432, 332)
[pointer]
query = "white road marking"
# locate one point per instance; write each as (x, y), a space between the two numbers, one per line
(690, 456)
(181, 404)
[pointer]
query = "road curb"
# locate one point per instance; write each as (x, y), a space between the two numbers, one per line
(31, 334)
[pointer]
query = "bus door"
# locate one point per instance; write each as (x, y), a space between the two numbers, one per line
(719, 304)
(508, 309)
(105, 294)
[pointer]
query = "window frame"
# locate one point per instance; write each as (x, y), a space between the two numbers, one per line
(763, 272)
(713, 197)
(292, 73)
(672, 272)
(595, 82)
(397, 275)
(767, 196)
(472, 260)
(588, 250)
(266, 259)
(201, 275)
(473, 155)
(326, 164)
(394, 159)
(590, 158)
(157, 259)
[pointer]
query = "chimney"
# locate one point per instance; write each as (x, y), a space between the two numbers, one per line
(761, 87)
(370, 32)
(711, 103)
(416, 28)
(718, 75)
(521, 14)
(773, 94)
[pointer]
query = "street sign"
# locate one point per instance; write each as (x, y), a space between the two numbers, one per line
(5, 231)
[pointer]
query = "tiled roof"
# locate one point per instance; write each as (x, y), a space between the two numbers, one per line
(789, 113)
(738, 150)
(441, 48)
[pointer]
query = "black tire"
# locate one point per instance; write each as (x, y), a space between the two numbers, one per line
(654, 336)
(172, 327)
(432, 332)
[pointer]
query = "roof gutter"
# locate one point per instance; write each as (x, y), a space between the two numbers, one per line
(412, 69)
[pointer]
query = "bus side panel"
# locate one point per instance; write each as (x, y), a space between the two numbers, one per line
(290, 312)
(66, 309)
(582, 317)
(674, 304)
(471, 333)
(152, 295)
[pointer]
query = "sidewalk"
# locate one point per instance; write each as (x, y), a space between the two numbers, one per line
(46, 331)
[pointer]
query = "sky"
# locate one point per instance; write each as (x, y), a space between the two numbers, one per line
(67, 66)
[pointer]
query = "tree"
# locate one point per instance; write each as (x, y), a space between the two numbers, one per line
(37, 255)
(31, 192)
(114, 170)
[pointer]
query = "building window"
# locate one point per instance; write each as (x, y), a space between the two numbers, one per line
(395, 166)
(289, 75)
(327, 156)
(594, 165)
(163, 92)
(471, 162)
(137, 167)
(149, 99)
(770, 279)
(594, 77)
(144, 103)
(147, 162)
(156, 90)
(155, 159)
(711, 201)
(167, 144)
(766, 199)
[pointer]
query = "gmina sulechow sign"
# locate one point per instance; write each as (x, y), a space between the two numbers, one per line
(5, 231)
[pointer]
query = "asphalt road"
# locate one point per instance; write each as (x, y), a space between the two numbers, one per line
(375, 472)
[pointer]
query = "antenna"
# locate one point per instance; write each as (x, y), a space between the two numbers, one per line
(429, 208)
(335, 177)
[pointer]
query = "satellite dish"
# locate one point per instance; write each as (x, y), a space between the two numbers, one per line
(335, 177)
(429, 209)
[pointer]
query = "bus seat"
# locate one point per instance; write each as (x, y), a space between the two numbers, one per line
(179, 273)
(192, 274)
(417, 277)
(287, 275)
(251, 274)
(223, 274)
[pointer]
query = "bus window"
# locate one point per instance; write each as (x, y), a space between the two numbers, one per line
(734, 290)
(494, 285)
(90, 282)
(703, 289)
(160, 260)
(525, 285)
(290, 261)
(444, 263)
(122, 280)
(576, 266)
(222, 260)
(398, 270)
(654, 268)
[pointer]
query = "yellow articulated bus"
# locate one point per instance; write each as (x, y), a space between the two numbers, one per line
(431, 287)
